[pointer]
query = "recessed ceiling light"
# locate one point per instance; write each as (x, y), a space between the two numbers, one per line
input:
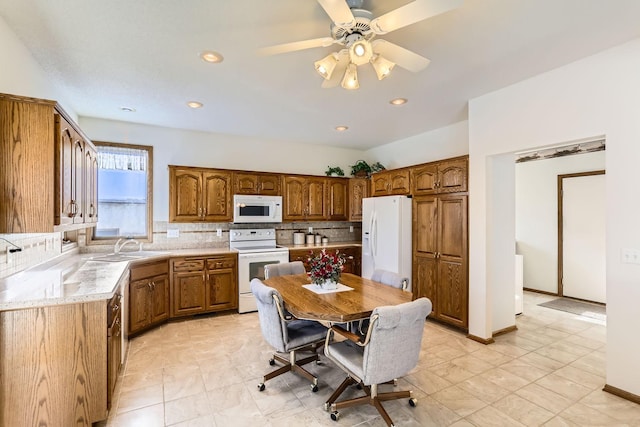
(211, 56)
(194, 104)
(128, 109)
(398, 101)
(341, 128)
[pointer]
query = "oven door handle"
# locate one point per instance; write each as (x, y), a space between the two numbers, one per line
(261, 255)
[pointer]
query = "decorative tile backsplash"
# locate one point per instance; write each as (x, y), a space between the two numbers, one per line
(34, 249)
(38, 248)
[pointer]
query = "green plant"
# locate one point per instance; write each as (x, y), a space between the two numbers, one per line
(360, 168)
(377, 167)
(336, 170)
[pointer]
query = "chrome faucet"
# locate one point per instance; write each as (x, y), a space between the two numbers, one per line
(118, 247)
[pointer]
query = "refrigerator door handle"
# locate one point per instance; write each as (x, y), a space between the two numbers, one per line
(374, 234)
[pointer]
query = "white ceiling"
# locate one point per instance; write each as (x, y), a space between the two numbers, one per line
(144, 54)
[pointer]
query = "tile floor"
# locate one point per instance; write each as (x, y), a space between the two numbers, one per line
(204, 372)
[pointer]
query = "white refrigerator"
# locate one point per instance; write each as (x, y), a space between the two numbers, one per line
(386, 235)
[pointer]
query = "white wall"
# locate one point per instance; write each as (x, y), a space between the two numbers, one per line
(25, 76)
(537, 214)
(191, 148)
(591, 97)
(448, 141)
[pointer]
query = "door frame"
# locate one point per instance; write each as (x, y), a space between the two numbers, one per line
(560, 218)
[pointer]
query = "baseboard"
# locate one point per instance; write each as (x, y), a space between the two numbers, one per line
(621, 393)
(553, 294)
(484, 341)
(503, 331)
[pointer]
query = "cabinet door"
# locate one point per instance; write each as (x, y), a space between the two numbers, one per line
(245, 183)
(91, 184)
(269, 184)
(300, 255)
(452, 176)
(216, 196)
(380, 184)
(399, 181)
(188, 293)
(222, 289)
(358, 190)
(338, 200)
(159, 298)
(139, 307)
(316, 199)
(452, 293)
(425, 179)
(77, 180)
(63, 171)
(294, 199)
(185, 191)
(425, 278)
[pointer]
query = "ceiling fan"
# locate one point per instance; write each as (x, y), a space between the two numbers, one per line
(356, 29)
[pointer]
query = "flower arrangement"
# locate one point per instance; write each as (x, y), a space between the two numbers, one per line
(325, 266)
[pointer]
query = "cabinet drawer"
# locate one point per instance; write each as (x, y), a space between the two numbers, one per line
(188, 265)
(217, 263)
(149, 270)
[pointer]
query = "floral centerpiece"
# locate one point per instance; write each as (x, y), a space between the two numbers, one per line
(326, 268)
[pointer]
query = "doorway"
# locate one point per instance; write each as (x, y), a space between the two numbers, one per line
(581, 236)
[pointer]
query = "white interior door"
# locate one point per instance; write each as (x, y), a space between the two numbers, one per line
(583, 237)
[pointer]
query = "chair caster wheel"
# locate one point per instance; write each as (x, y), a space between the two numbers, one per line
(314, 387)
(261, 387)
(335, 416)
(272, 362)
(359, 386)
(413, 402)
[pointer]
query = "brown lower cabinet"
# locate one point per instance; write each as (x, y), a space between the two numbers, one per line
(148, 295)
(440, 256)
(203, 284)
(353, 257)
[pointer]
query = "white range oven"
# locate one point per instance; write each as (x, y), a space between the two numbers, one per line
(256, 248)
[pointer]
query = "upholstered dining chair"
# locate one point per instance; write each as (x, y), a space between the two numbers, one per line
(385, 277)
(390, 350)
(286, 334)
(283, 269)
(390, 278)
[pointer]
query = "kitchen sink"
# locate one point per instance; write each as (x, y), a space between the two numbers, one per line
(124, 256)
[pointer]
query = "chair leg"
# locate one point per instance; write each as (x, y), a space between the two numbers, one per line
(372, 397)
(292, 365)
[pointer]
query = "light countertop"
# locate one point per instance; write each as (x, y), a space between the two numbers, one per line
(74, 278)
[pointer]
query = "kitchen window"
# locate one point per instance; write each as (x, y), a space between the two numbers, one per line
(124, 192)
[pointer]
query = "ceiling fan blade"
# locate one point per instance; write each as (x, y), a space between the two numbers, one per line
(411, 13)
(400, 56)
(339, 12)
(338, 72)
(293, 46)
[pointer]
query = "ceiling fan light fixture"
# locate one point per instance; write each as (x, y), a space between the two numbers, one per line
(326, 65)
(382, 66)
(360, 52)
(350, 79)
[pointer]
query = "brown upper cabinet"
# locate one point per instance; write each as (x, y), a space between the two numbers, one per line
(447, 176)
(338, 199)
(267, 184)
(304, 198)
(358, 190)
(391, 182)
(48, 184)
(199, 195)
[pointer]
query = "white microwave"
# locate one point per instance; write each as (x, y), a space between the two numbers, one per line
(251, 208)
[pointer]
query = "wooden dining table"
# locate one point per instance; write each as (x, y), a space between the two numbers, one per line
(338, 307)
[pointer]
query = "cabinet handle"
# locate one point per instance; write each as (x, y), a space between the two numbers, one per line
(149, 285)
(153, 286)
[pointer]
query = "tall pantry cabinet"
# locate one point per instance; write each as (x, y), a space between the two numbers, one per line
(440, 239)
